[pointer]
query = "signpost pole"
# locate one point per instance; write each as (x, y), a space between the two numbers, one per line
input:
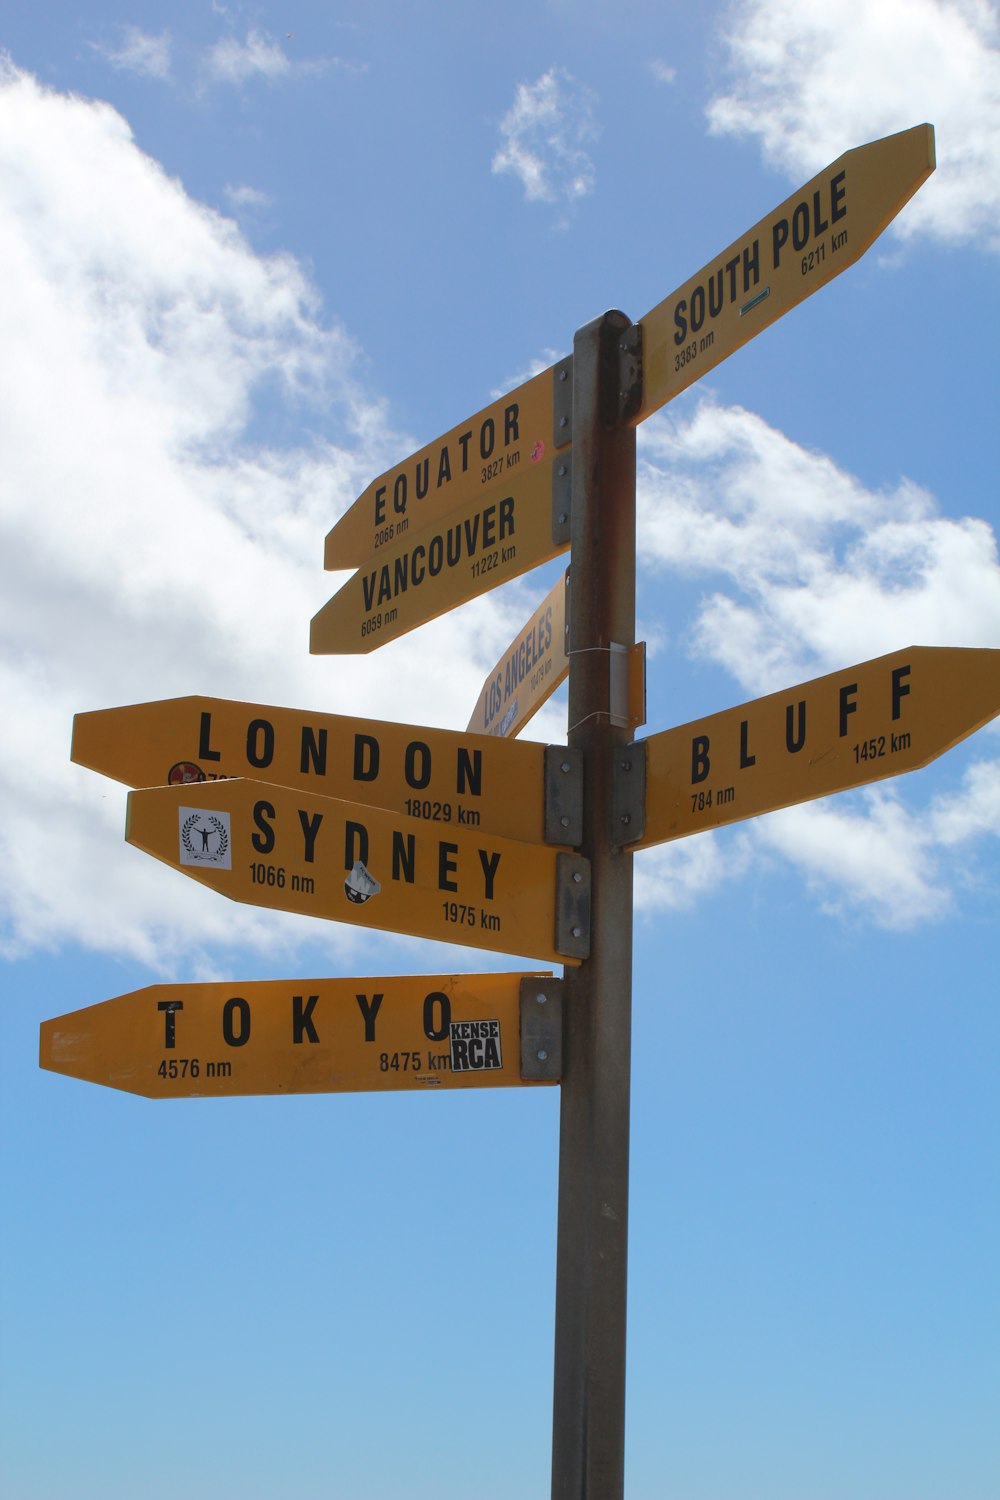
(591, 1261)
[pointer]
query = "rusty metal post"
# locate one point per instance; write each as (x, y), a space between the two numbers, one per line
(588, 1448)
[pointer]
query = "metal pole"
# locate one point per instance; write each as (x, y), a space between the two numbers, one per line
(588, 1445)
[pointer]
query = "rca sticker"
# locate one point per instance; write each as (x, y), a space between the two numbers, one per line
(475, 1046)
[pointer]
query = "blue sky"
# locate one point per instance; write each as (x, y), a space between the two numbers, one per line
(253, 255)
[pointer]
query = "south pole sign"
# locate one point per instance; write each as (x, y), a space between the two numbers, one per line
(798, 248)
(313, 814)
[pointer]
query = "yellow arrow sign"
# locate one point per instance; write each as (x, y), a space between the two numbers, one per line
(863, 724)
(433, 774)
(296, 1036)
(808, 240)
(493, 537)
(528, 673)
(513, 435)
(294, 851)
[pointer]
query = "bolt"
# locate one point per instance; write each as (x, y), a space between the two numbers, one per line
(564, 766)
(564, 822)
(563, 519)
(626, 765)
(625, 818)
(563, 471)
(577, 877)
(564, 421)
(577, 932)
(541, 1054)
(541, 999)
(562, 374)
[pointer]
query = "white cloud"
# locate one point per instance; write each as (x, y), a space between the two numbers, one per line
(811, 79)
(535, 366)
(876, 860)
(232, 61)
(545, 133)
(678, 875)
(662, 72)
(150, 545)
(140, 53)
(876, 857)
(243, 196)
(808, 570)
(971, 813)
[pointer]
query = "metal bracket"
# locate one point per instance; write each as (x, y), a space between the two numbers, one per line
(562, 402)
(573, 905)
(541, 1029)
(562, 485)
(630, 372)
(627, 684)
(628, 794)
(563, 795)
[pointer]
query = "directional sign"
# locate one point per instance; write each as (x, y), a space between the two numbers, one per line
(530, 670)
(512, 435)
(494, 537)
(295, 851)
(808, 240)
(881, 718)
(297, 1036)
(433, 774)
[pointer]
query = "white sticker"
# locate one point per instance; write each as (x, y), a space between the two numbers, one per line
(204, 838)
(475, 1046)
(360, 885)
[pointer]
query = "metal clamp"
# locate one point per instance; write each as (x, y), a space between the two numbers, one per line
(627, 684)
(562, 501)
(562, 402)
(630, 372)
(563, 795)
(573, 906)
(628, 794)
(541, 1029)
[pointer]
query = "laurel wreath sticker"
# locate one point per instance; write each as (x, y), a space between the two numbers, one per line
(204, 838)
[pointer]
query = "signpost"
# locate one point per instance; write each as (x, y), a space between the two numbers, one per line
(294, 851)
(466, 780)
(847, 729)
(490, 499)
(314, 1036)
(513, 435)
(535, 663)
(808, 240)
(588, 1424)
(492, 538)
